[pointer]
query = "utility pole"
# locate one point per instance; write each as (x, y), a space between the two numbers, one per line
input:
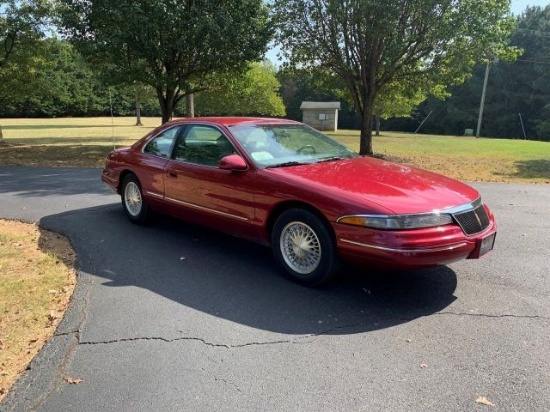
(190, 109)
(482, 103)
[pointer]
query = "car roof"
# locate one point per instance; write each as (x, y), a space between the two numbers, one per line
(231, 121)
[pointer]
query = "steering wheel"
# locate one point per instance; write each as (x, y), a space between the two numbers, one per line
(307, 148)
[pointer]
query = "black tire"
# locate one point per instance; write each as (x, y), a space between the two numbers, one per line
(303, 247)
(134, 204)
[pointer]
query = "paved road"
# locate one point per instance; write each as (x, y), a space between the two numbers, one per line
(172, 317)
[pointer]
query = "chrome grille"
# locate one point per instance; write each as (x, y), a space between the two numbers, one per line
(473, 221)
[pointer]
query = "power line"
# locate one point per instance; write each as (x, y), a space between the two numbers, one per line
(533, 61)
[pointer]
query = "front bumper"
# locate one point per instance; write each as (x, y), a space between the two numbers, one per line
(412, 248)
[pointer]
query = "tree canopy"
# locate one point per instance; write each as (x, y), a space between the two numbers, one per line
(172, 46)
(21, 24)
(371, 44)
(518, 93)
(21, 28)
(255, 92)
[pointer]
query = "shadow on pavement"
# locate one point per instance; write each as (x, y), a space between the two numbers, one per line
(27, 181)
(238, 281)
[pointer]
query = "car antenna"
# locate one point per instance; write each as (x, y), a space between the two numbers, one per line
(112, 120)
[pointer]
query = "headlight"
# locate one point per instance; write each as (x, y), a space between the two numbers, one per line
(396, 222)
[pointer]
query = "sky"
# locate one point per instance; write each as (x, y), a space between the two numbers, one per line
(519, 6)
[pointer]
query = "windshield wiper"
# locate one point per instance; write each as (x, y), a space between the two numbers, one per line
(285, 164)
(330, 159)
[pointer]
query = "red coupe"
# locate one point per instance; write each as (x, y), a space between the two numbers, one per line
(288, 186)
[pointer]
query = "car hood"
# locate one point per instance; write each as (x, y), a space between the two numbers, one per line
(367, 182)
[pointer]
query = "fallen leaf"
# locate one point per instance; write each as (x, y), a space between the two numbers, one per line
(484, 401)
(74, 381)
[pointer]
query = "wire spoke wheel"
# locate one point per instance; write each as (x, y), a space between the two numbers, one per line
(134, 204)
(300, 247)
(303, 247)
(133, 199)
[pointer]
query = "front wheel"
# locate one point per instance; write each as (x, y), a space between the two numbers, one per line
(303, 247)
(134, 204)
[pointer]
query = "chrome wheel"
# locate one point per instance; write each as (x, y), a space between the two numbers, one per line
(132, 199)
(300, 247)
(304, 247)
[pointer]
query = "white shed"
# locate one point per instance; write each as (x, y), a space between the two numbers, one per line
(321, 115)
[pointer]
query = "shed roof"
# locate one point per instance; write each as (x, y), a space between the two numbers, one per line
(320, 105)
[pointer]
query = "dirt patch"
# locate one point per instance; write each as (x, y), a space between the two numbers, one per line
(37, 279)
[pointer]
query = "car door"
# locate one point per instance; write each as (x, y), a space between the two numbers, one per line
(151, 162)
(203, 192)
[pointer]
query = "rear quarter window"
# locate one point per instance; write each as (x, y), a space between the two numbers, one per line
(162, 144)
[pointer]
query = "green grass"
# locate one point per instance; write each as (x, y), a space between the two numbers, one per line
(86, 141)
(406, 144)
(465, 158)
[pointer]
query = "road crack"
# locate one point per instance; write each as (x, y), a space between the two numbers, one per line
(500, 316)
(201, 340)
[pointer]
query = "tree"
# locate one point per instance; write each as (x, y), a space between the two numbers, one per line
(518, 93)
(20, 29)
(60, 82)
(298, 85)
(530, 77)
(172, 46)
(253, 93)
(396, 100)
(371, 44)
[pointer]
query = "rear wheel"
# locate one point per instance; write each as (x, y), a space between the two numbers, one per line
(303, 247)
(134, 204)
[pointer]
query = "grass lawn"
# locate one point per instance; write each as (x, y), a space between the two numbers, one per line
(86, 141)
(464, 158)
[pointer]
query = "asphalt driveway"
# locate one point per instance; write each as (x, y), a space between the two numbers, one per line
(173, 317)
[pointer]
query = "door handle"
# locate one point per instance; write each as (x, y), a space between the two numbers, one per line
(171, 173)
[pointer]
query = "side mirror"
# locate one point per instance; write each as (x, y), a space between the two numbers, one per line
(233, 162)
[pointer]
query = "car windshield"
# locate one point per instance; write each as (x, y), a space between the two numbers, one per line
(288, 145)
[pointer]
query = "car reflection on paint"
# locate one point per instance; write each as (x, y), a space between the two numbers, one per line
(290, 187)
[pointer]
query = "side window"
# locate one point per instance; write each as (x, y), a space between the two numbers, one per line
(161, 145)
(203, 145)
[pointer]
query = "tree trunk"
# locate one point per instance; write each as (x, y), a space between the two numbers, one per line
(2, 141)
(166, 104)
(377, 125)
(365, 146)
(138, 109)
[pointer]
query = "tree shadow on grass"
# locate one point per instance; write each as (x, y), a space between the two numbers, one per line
(234, 280)
(61, 126)
(55, 156)
(532, 169)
